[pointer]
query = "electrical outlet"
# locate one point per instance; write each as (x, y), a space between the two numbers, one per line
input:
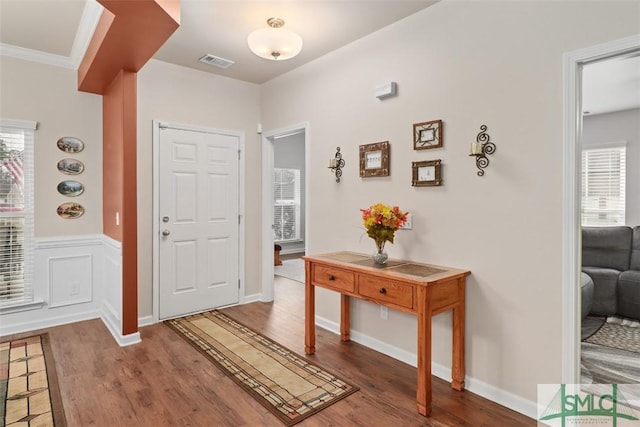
(74, 289)
(384, 312)
(409, 224)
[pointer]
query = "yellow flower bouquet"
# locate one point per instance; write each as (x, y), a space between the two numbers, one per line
(381, 222)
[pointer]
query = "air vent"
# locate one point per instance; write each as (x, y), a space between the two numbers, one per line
(216, 61)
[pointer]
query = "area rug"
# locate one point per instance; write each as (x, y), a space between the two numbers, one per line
(290, 386)
(617, 336)
(29, 393)
(291, 269)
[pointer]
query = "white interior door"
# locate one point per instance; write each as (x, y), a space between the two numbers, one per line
(199, 230)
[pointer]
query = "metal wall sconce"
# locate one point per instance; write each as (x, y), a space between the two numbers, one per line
(336, 164)
(481, 148)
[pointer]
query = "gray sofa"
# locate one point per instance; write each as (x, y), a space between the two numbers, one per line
(611, 258)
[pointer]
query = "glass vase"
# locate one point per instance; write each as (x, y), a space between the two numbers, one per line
(380, 258)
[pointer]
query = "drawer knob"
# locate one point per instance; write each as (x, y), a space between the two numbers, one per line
(383, 291)
(331, 277)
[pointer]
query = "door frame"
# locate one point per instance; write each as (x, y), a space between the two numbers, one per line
(571, 200)
(267, 207)
(156, 125)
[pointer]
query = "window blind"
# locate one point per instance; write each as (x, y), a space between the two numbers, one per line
(603, 186)
(286, 204)
(16, 212)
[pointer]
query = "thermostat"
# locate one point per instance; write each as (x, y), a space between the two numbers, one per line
(386, 90)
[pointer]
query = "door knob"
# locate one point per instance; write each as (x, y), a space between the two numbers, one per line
(166, 232)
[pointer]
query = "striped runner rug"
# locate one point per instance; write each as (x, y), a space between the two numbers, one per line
(290, 386)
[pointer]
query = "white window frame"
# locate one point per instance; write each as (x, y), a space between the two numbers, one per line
(26, 301)
(610, 212)
(295, 202)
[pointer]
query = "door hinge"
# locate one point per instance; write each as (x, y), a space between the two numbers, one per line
(238, 283)
(239, 151)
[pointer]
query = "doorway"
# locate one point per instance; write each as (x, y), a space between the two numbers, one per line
(285, 168)
(572, 150)
(197, 230)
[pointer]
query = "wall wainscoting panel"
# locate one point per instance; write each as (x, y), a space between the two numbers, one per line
(65, 295)
(70, 280)
(112, 292)
(76, 278)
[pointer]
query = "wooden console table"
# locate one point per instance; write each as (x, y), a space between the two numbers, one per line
(421, 289)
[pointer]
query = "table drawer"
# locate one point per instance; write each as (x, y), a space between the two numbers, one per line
(386, 291)
(333, 278)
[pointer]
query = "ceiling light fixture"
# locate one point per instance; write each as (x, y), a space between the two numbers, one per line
(275, 43)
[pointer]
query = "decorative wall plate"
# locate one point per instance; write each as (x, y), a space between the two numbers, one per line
(71, 166)
(70, 210)
(70, 144)
(70, 188)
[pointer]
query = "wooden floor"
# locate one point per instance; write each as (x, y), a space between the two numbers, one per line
(164, 382)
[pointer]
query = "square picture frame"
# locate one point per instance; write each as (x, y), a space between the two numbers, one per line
(374, 159)
(427, 173)
(427, 135)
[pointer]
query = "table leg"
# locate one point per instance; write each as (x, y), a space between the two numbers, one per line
(309, 313)
(457, 360)
(423, 394)
(345, 318)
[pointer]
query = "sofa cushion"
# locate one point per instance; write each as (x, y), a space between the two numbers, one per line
(629, 294)
(635, 249)
(608, 247)
(586, 294)
(605, 283)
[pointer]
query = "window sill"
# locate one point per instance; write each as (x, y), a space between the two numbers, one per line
(21, 306)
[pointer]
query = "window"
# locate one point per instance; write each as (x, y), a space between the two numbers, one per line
(603, 185)
(16, 212)
(286, 204)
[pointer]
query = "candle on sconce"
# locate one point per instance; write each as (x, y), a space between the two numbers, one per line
(333, 163)
(476, 148)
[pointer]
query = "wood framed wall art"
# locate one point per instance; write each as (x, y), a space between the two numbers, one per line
(374, 159)
(427, 135)
(427, 173)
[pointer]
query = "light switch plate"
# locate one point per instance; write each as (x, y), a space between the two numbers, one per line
(409, 224)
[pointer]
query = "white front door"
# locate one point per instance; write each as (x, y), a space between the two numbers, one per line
(199, 231)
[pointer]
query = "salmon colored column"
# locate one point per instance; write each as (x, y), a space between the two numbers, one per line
(119, 121)
(127, 36)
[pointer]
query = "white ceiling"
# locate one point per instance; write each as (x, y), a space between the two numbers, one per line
(58, 31)
(215, 27)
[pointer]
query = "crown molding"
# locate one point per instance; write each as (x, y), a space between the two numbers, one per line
(35, 56)
(88, 23)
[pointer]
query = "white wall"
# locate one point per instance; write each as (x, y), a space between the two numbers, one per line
(181, 95)
(617, 127)
(288, 153)
(49, 95)
(469, 64)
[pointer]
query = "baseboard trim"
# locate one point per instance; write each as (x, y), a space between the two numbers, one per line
(248, 299)
(481, 388)
(145, 321)
(122, 340)
(49, 322)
